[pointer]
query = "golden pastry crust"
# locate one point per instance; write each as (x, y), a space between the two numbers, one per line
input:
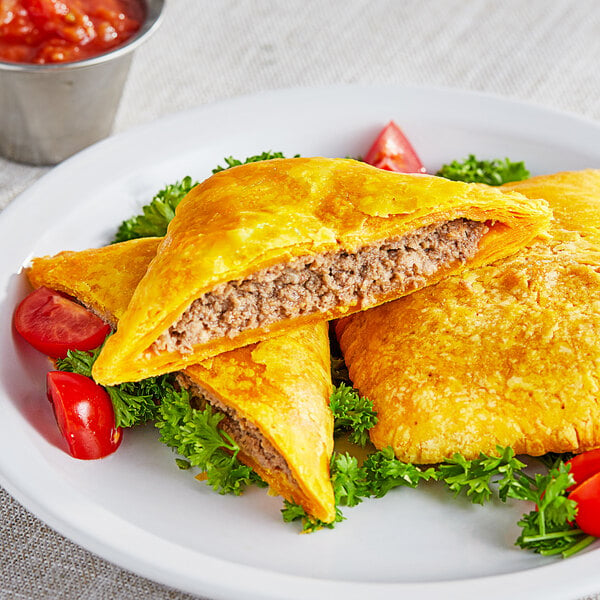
(573, 196)
(103, 279)
(505, 354)
(281, 386)
(255, 216)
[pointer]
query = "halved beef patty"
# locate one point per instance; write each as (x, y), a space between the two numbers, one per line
(319, 283)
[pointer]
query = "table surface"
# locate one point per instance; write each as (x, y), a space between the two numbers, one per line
(538, 51)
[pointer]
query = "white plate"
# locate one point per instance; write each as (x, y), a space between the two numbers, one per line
(136, 508)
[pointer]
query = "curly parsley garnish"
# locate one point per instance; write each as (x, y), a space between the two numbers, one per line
(549, 529)
(474, 477)
(352, 483)
(352, 413)
(384, 472)
(234, 162)
(491, 172)
(195, 435)
(157, 215)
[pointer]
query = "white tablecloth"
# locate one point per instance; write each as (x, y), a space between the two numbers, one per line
(206, 50)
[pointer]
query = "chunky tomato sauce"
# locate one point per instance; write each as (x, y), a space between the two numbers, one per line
(56, 31)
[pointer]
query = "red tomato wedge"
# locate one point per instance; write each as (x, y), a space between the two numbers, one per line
(584, 466)
(53, 323)
(393, 152)
(84, 413)
(587, 496)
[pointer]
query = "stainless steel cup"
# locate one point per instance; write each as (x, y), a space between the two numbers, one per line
(49, 112)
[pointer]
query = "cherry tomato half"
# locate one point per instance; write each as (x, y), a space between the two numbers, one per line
(393, 152)
(84, 413)
(587, 496)
(53, 323)
(584, 466)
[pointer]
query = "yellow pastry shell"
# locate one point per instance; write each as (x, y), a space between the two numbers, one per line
(258, 215)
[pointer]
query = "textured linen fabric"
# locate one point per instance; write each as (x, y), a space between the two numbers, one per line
(538, 51)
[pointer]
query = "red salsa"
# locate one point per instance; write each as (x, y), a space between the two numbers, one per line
(56, 31)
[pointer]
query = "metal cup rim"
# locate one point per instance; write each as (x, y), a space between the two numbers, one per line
(153, 17)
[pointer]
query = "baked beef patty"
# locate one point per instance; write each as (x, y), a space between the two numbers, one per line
(311, 284)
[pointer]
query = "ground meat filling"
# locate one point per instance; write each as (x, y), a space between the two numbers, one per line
(248, 437)
(319, 283)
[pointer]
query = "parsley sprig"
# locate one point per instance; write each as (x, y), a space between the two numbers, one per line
(383, 472)
(195, 434)
(474, 477)
(353, 413)
(352, 483)
(157, 215)
(491, 172)
(549, 529)
(234, 162)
